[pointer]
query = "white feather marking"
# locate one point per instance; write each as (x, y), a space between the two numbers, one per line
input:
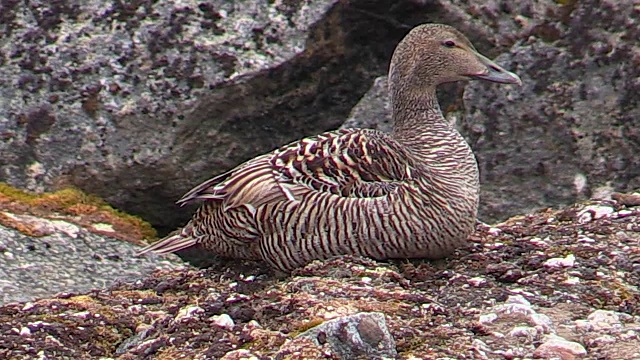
(287, 192)
(251, 208)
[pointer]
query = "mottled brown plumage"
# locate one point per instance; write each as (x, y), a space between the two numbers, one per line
(409, 194)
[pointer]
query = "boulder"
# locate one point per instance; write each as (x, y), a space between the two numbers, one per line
(573, 130)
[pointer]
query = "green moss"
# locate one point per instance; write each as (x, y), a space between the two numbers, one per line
(75, 202)
(15, 194)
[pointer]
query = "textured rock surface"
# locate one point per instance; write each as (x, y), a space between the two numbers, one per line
(572, 130)
(499, 299)
(70, 259)
(575, 124)
(362, 335)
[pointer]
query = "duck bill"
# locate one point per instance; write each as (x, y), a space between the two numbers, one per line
(494, 72)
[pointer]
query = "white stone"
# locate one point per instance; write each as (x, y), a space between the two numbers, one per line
(580, 182)
(624, 213)
(541, 321)
(25, 331)
(565, 262)
(604, 319)
(604, 340)
(66, 227)
(593, 212)
(572, 280)
(585, 239)
(557, 347)
(104, 227)
(517, 299)
(487, 318)
(188, 312)
(539, 242)
(223, 321)
(37, 324)
(523, 331)
(240, 354)
(81, 314)
(477, 281)
(514, 309)
(481, 348)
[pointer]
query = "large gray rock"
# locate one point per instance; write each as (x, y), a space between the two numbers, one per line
(138, 102)
(574, 127)
(69, 259)
(571, 131)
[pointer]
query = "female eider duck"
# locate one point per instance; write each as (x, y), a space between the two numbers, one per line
(412, 193)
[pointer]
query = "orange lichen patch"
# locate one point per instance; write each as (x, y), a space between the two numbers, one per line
(76, 207)
(27, 228)
(82, 209)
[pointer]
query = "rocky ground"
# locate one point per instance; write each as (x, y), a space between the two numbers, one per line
(552, 284)
(68, 241)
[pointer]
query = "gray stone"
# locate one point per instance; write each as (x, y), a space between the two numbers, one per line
(363, 335)
(573, 126)
(70, 260)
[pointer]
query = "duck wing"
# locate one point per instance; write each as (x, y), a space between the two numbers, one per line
(348, 162)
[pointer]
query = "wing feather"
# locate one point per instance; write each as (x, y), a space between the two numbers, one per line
(348, 163)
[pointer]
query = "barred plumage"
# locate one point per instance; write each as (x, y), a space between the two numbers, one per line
(409, 194)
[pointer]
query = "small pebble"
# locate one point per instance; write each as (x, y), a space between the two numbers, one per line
(593, 212)
(82, 314)
(517, 299)
(572, 280)
(565, 262)
(487, 318)
(477, 281)
(557, 347)
(223, 321)
(541, 321)
(240, 354)
(25, 331)
(188, 312)
(523, 331)
(603, 319)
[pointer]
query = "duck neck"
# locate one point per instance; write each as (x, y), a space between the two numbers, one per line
(416, 117)
(434, 141)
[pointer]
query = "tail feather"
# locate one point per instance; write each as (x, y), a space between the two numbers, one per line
(177, 241)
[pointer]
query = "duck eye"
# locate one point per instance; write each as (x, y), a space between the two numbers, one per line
(449, 44)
